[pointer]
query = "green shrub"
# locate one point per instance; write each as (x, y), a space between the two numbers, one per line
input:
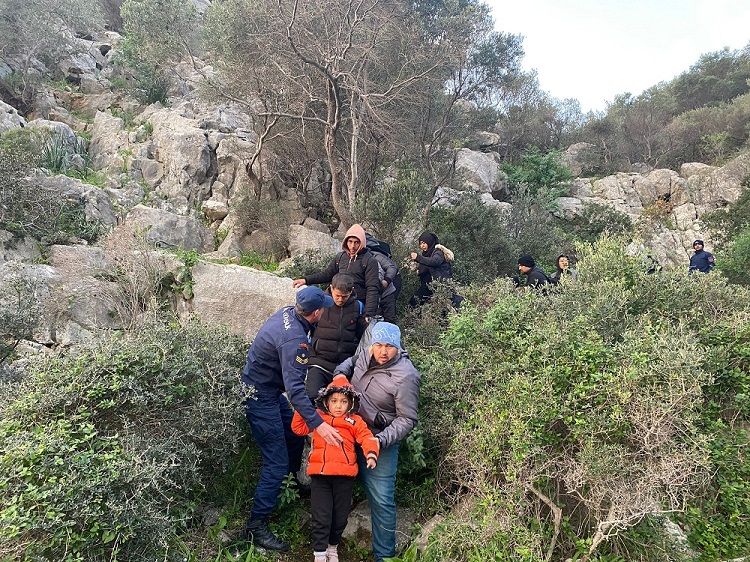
(267, 216)
(539, 172)
(395, 206)
(306, 264)
(105, 451)
(20, 308)
(591, 400)
(596, 219)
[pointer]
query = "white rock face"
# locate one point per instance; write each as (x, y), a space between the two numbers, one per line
(168, 230)
(9, 118)
(303, 239)
(239, 297)
(480, 170)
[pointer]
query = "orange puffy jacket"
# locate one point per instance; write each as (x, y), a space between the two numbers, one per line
(341, 460)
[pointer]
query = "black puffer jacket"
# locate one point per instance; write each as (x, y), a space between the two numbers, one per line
(337, 335)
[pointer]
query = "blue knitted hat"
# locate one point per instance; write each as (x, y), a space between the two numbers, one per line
(385, 332)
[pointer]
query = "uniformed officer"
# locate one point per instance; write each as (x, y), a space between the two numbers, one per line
(277, 364)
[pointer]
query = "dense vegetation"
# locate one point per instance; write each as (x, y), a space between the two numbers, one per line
(574, 424)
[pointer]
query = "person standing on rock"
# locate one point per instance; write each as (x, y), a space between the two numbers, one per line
(701, 260)
(357, 260)
(274, 376)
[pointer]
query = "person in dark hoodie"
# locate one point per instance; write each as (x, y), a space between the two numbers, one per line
(359, 262)
(701, 260)
(336, 336)
(535, 277)
(434, 263)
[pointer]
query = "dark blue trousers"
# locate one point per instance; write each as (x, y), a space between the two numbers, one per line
(270, 418)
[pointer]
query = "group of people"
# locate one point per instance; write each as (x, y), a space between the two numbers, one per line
(701, 261)
(307, 374)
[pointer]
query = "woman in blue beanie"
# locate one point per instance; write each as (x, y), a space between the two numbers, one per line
(389, 384)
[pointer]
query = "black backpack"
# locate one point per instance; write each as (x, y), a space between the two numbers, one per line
(378, 246)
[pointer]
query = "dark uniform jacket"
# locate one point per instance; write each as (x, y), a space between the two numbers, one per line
(277, 361)
(536, 277)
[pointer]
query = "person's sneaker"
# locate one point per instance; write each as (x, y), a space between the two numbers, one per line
(257, 532)
(332, 553)
(320, 557)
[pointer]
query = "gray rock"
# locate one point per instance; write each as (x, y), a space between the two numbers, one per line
(20, 249)
(168, 230)
(239, 297)
(359, 526)
(9, 118)
(480, 170)
(303, 239)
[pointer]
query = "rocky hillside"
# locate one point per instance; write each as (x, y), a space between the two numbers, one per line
(174, 176)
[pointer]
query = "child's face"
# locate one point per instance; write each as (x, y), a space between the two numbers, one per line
(338, 404)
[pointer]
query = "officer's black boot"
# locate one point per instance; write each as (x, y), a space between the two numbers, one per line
(257, 531)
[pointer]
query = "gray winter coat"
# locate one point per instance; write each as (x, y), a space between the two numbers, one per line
(390, 394)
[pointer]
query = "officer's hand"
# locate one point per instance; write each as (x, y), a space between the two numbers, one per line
(297, 283)
(329, 435)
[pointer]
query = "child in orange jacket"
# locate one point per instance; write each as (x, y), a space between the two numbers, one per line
(332, 469)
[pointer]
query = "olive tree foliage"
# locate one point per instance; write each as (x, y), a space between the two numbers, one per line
(158, 33)
(40, 30)
(477, 75)
(20, 307)
(342, 70)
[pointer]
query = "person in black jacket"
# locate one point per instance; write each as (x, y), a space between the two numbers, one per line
(359, 262)
(433, 264)
(701, 260)
(535, 277)
(336, 336)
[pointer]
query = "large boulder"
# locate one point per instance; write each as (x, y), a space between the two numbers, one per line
(9, 118)
(97, 203)
(480, 171)
(170, 231)
(80, 296)
(303, 239)
(238, 297)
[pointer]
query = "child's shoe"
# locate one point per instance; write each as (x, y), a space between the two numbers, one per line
(332, 554)
(320, 557)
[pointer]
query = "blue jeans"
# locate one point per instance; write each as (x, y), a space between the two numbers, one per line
(380, 485)
(270, 418)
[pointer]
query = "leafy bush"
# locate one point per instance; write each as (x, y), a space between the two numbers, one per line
(305, 264)
(539, 172)
(583, 409)
(105, 450)
(395, 206)
(20, 307)
(267, 216)
(596, 219)
(28, 209)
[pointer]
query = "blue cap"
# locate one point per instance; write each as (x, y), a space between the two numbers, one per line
(311, 299)
(385, 332)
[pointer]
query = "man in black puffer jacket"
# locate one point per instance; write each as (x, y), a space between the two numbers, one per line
(336, 336)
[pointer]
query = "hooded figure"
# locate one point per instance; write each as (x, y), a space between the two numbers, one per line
(433, 264)
(332, 468)
(563, 269)
(357, 260)
(701, 260)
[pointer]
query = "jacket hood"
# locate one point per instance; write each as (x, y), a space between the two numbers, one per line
(446, 252)
(342, 385)
(358, 232)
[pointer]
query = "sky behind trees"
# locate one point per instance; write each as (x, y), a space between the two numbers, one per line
(593, 50)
